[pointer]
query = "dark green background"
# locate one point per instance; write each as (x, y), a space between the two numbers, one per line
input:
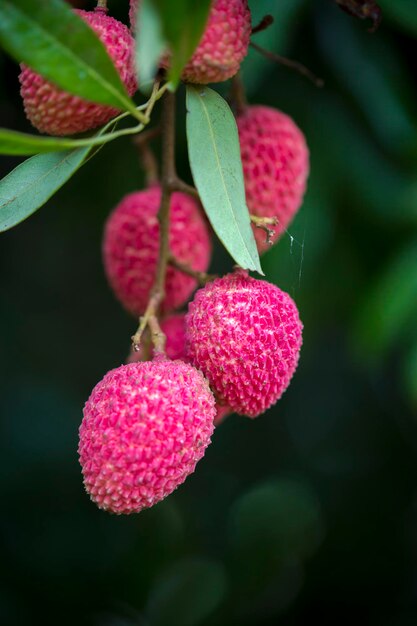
(310, 511)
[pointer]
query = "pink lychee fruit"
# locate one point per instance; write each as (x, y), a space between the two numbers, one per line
(275, 163)
(145, 427)
(56, 112)
(224, 43)
(131, 247)
(173, 326)
(245, 336)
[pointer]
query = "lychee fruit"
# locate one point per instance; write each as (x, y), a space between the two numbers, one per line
(245, 336)
(131, 247)
(145, 427)
(275, 163)
(223, 45)
(56, 112)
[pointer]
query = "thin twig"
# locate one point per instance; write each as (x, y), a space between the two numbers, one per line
(294, 65)
(265, 23)
(238, 94)
(147, 156)
(264, 224)
(201, 277)
(157, 335)
(179, 185)
(168, 174)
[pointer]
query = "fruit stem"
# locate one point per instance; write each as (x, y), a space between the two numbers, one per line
(265, 23)
(264, 223)
(238, 94)
(102, 5)
(201, 277)
(179, 185)
(147, 156)
(294, 65)
(168, 175)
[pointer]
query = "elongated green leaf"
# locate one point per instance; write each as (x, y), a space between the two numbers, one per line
(150, 42)
(214, 152)
(176, 26)
(16, 143)
(53, 40)
(34, 181)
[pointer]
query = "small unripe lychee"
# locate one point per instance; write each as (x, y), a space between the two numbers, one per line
(275, 163)
(131, 247)
(223, 45)
(244, 334)
(145, 427)
(56, 112)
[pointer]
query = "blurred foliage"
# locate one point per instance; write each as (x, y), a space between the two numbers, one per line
(307, 513)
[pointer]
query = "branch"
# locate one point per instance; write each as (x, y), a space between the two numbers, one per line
(363, 9)
(294, 65)
(201, 277)
(265, 23)
(168, 174)
(149, 162)
(238, 94)
(179, 185)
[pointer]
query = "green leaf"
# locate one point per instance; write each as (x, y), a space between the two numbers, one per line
(165, 25)
(214, 152)
(150, 42)
(53, 40)
(188, 591)
(22, 144)
(34, 181)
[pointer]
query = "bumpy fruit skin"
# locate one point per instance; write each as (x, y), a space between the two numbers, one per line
(145, 427)
(224, 44)
(131, 246)
(275, 162)
(244, 334)
(56, 112)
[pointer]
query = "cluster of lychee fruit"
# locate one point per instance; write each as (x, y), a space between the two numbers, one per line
(148, 422)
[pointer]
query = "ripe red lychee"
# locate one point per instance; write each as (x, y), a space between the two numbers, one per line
(131, 246)
(275, 163)
(56, 112)
(145, 427)
(244, 334)
(224, 44)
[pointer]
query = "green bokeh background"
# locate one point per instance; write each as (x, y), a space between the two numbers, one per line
(309, 512)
